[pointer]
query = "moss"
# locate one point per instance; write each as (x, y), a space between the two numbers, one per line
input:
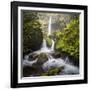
(49, 41)
(44, 74)
(52, 71)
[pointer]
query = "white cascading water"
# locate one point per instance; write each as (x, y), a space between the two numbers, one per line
(68, 68)
(44, 45)
(49, 26)
(52, 47)
(49, 32)
(52, 62)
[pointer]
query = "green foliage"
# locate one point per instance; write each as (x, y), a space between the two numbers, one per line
(68, 39)
(32, 34)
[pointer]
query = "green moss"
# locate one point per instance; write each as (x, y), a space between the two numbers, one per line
(52, 71)
(49, 41)
(44, 74)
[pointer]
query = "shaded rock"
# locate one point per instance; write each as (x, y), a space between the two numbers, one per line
(38, 68)
(56, 55)
(34, 70)
(27, 71)
(75, 61)
(42, 58)
(33, 56)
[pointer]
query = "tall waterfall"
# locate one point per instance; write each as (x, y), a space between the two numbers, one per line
(49, 26)
(49, 32)
(44, 45)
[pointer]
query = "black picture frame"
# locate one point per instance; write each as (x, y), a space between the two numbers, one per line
(14, 43)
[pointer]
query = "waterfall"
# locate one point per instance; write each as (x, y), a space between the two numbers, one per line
(49, 33)
(52, 47)
(44, 47)
(49, 26)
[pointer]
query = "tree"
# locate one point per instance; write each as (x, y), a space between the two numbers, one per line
(32, 33)
(68, 40)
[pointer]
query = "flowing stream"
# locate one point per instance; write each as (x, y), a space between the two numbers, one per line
(69, 68)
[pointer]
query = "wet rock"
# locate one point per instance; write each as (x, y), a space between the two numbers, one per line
(27, 71)
(34, 70)
(49, 42)
(33, 56)
(42, 58)
(56, 54)
(39, 69)
(74, 61)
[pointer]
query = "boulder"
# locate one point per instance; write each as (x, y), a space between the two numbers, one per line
(42, 58)
(49, 42)
(28, 71)
(56, 54)
(33, 56)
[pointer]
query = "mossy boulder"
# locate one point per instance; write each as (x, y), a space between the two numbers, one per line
(49, 42)
(42, 58)
(36, 69)
(33, 56)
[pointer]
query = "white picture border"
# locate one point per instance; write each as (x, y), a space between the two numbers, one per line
(52, 78)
